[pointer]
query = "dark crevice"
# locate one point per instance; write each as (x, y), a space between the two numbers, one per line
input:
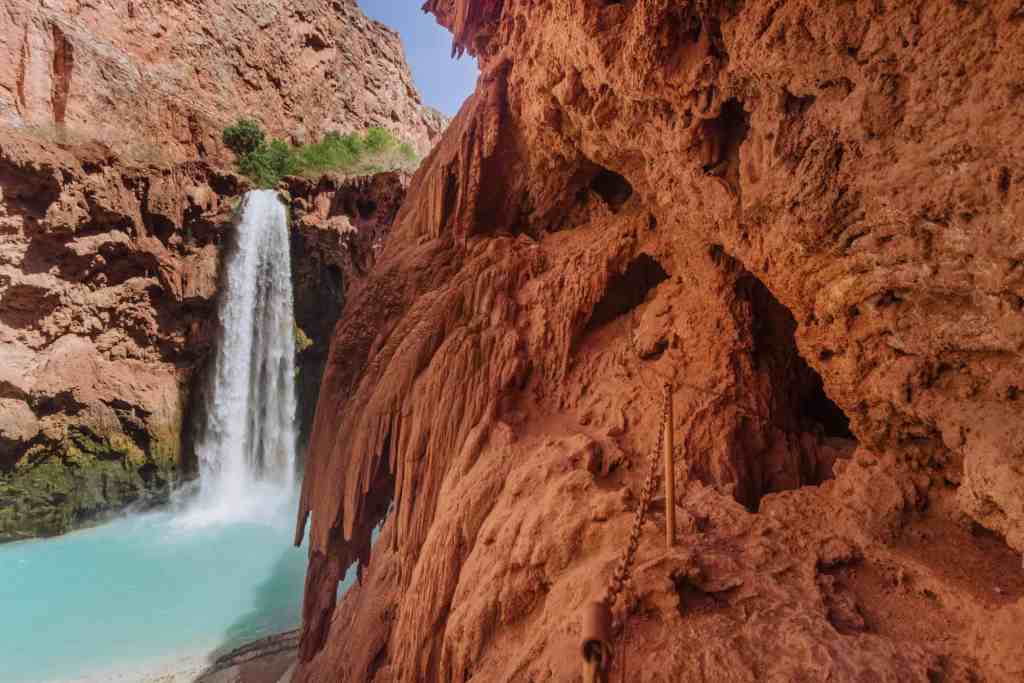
(804, 405)
(451, 194)
(803, 431)
(315, 41)
(159, 226)
(614, 189)
(726, 135)
(818, 408)
(627, 290)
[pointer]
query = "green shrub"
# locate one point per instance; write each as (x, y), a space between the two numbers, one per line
(266, 163)
(378, 140)
(245, 137)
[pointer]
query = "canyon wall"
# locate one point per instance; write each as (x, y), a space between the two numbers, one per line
(158, 82)
(802, 216)
(115, 204)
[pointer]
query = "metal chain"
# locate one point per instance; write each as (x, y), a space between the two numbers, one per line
(622, 572)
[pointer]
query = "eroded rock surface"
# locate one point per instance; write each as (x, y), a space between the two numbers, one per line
(806, 218)
(158, 81)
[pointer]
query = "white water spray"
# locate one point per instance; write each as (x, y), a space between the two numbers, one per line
(247, 451)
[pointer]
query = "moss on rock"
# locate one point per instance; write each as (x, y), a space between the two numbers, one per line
(62, 485)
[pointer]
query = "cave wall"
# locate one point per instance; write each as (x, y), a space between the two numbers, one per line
(831, 195)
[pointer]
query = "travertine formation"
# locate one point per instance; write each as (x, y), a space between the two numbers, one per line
(158, 81)
(806, 217)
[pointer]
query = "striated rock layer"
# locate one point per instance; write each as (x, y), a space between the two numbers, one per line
(158, 81)
(108, 282)
(804, 216)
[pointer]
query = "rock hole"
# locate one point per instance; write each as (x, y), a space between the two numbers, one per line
(627, 290)
(315, 41)
(775, 351)
(734, 125)
(61, 402)
(450, 200)
(727, 134)
(159, 226)
(803, 433)
(612, 188)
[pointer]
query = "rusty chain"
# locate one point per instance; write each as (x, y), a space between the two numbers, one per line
(622, 571)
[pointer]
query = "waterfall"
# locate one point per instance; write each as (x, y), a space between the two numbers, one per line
(247, 450)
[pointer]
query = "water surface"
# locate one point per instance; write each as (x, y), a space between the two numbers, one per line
(145, 594)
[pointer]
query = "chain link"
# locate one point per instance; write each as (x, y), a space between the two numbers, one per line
(622, 572)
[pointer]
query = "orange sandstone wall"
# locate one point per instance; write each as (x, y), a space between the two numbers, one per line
(804, 215)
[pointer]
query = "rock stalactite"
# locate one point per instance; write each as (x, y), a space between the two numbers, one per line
(804, 216)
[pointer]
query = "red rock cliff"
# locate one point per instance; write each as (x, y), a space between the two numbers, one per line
(804, 216)
(159, 81)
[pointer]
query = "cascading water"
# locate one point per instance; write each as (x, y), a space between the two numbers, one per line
(157, 595)
(247, 450)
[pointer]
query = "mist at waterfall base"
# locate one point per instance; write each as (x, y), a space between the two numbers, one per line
(158, 594)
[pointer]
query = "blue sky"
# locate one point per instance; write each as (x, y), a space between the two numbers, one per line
(443, 82)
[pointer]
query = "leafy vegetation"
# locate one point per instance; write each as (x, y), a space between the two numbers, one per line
(265, 163)
(245, 137)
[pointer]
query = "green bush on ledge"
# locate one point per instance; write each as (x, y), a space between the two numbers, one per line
(265, 163)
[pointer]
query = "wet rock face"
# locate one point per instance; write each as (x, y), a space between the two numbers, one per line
(791, 213)
(159, 84)
(108, 286)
